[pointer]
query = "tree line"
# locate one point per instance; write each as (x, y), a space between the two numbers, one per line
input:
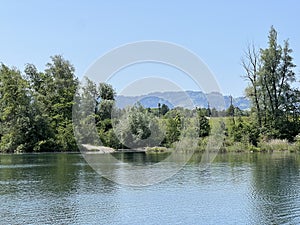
(36, 112)
(134, 126)
(36, 108)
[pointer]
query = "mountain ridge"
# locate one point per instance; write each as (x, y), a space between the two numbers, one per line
(186, 99)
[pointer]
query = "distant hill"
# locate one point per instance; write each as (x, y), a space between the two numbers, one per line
(187, 99)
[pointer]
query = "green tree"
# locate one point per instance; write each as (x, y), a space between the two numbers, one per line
(134, 126)
(84, 113)
(58, 97)
(106, 91)
(15, 111)
(42, 134)
(173, 129)
(139, 122)
(271, 76)
(104, 107)
(164, 109)
(276, 77)
(203, 125)
(106, 100)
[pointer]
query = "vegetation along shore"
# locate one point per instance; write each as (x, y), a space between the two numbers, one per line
(36, 111)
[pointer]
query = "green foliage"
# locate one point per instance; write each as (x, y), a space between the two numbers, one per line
(99, 101)
(105, 101)
(202, 144)
(15, 112)
(106, 92)
(61, 85)
(139, 123)
(36, 111)
(275, 101)
(156, 149)
(137, 127)
(103, 98)
(164, 109)
(110, 139)
(173, 129)
(296, 145)
(203, 125)
(230, 111)
(274, 145)
(105, 108)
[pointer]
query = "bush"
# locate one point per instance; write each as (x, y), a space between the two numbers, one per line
(202, 143)
(295, 147)
(156, 149)
(274, 145)
(237, 147)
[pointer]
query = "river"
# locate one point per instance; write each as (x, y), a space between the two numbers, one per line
(235, 189)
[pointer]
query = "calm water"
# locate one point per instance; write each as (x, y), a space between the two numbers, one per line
(235, 189)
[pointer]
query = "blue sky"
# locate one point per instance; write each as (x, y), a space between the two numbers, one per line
(82, 31)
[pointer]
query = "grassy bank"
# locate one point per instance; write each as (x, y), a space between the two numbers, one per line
(273, 145)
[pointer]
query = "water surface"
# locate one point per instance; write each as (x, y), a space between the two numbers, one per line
(235, 189)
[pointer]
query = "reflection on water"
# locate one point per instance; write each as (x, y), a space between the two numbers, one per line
(276, 189)
(137, 169)
(235, 189)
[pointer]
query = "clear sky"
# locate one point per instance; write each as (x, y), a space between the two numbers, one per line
(82, 31)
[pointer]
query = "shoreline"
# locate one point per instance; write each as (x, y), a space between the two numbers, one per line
(151, 152)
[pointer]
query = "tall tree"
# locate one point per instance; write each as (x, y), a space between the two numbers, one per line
(42, 133)
(54, 90)
(251, 65)
(62, 88)
(173, 129)
(271, 76)
(15, 111)
(203, 125)
(84, 113)
(106, 100)
(164, 109)
(104, 108)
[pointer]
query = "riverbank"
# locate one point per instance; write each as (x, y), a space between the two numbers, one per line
(275, 145)
(92, 149)
(199, 145)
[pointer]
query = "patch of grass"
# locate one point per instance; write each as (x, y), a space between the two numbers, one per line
(274, 145)
(237, 147)
(295, 147)
(156, 149)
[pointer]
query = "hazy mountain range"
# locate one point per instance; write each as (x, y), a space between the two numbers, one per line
(187, 99)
